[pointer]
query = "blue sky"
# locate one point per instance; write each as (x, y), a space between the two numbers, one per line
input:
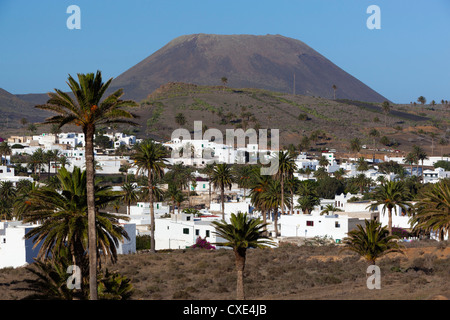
(406, 58)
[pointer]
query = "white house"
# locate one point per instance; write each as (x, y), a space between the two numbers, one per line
(17, 251)
(309, 225)
(433, 176)
(7, 174)
(182, 230)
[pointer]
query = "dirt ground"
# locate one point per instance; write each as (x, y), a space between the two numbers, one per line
(289, 272)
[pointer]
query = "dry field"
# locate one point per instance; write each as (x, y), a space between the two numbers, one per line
(286, 273)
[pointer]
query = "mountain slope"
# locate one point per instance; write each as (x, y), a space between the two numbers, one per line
(247, 61)
(13, 109)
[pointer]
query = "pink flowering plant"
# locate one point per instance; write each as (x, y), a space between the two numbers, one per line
(202, 243)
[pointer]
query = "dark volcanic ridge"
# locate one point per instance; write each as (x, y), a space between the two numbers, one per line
(271, 62)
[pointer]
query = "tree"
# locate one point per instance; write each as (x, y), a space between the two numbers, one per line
(374, 133)
(172, 194)
(389, 195)
(307, 203)
(386, 107)
(432, 211)
(224, 82)
(355, 145)
(330, 208)
(88, 110)
(286, 167)
(362, 165)
(421, 155)
(323, 161)
(129, 194)
(222, 178)
(410, 159)
(422, 100)
(371, 241)
(150, 158)
(241, 234)
(257, 190)
(32, 128)
(334, 90)
(273, 200)
(5, 149)
(63, 218)
(208, 170)
(180, 119)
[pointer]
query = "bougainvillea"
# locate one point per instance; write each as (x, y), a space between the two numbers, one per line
(202, 243)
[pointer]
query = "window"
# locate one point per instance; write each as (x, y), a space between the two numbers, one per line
(337, 225)
(310, 223)
(188, 218)
(197, 232)
(207, 233)
(185, 230)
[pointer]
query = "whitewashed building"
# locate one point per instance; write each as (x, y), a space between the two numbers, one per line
(17, 251)
(182, 230)
(312, 225)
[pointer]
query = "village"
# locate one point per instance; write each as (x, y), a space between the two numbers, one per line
(179, 225)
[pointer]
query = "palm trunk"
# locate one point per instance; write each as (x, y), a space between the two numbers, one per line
(152, 212)
(292, 201)
(390, 221)
(282, 194)
(209, 194)
(240, 265)
(275, 222)
(90, 176)
(223, 201)
(422, 171)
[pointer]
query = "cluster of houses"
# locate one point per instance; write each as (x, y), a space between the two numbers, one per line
(175, 229)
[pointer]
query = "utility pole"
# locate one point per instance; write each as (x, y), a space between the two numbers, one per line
(294, 84)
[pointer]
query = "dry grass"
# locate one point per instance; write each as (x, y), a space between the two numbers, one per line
(285, 273)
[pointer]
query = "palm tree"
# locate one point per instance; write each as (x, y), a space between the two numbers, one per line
(37, 160)
(355, 145)
(323, 161)
(179, 198)
(172, 194)
(63, 218)
(129, 194)
(224, 82)
(390, 195)
(273, 200)
(257, 189)
(362, 165)
(286, 167)
(222, 178)
(374, 133)
(307, 203)
(293, 185)
(150, 158)
(334, 90)
(208, 170)
(410, 159)
(180, 119)
(421, 155)
(88, 110)
(240, 234)
(243, 176)
(386, 107)
(422, 100)
(330, 208)
(432, 211)
(339, 174)
(371, 241)
(5, 149)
